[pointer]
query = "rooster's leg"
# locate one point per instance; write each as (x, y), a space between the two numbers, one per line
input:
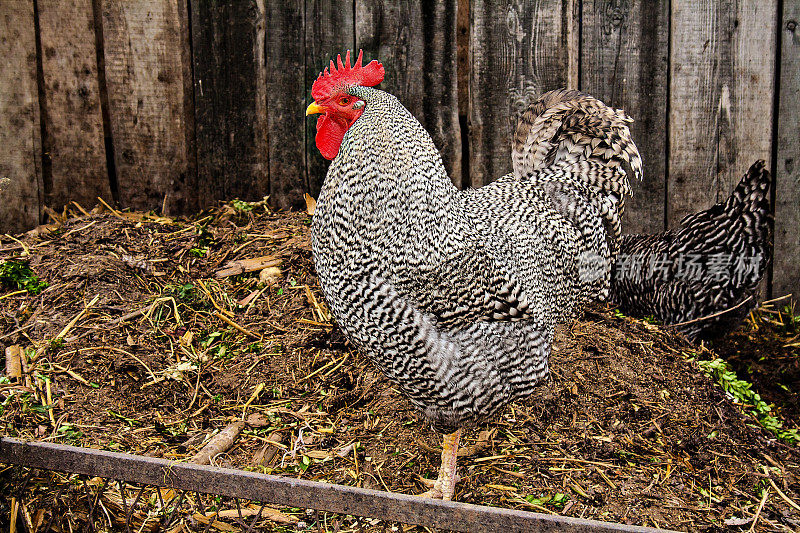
(446, 482)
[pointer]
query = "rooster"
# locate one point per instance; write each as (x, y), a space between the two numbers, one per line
(700, 276)
(455, 295)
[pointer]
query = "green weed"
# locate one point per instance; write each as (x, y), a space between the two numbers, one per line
(17, 275)
(217, 345)
(70, 433)
(185, 293)
(241, 206)
(556, 500)
(130, 421)
(204, 241)
(742, 392)
(790, 319)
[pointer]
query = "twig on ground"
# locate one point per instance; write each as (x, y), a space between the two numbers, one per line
(14, 332)
(10, 294)
(781, 493)
(80, 208)
(220, 443)
(135, 314)
(14, 356)
(71, 323)
(760, 507)
(25, 250)
(269, 450)
(324, 367)
(778, 299)
(242, 266)
(237, 326)
(117, 213)
(708, 317)
(81, 229)
(253, 397)
(74, 375)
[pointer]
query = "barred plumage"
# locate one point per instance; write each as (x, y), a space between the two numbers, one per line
(455, 295)
(712, 261)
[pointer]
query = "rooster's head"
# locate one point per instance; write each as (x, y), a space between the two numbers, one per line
(339, 108)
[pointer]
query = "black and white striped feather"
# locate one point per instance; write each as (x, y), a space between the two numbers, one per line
(712, 261)
(453, 294)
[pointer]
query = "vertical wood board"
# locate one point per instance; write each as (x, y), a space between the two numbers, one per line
(463, 43)
(329, 30)
(416, 43)
(625, 58)
(144, 53)
(74, 145)
(286, 93)
(20, 148)
(519, 50)
(721, 84)
(191, 198)
(230, 100)
(786, 264)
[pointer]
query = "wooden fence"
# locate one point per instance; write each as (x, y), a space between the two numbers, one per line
(173, 105)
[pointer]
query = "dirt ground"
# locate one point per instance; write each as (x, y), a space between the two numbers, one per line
(143, 343)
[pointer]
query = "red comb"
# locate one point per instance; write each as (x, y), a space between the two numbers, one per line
(345, 75)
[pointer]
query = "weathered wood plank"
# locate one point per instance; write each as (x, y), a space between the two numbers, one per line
(463, 68)
(330, 30)
(20, 155)
(786, 269)
(624, 63)
(286, 103)
(145, 51)
(230, 101)
(520, 49)
(720, 118)
(416, 42)
(74, 145)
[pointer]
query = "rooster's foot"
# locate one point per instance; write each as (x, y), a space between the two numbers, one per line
(445, 484)
(436, 488)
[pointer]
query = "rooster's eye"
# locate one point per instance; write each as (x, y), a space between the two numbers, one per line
(344, 101)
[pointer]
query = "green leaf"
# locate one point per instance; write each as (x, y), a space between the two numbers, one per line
(17, 275)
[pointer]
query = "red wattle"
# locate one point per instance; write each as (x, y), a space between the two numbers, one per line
(330, 133)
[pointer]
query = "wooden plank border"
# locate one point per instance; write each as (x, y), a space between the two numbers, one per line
(302, 493)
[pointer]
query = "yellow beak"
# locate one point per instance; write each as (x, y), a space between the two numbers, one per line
(314, 108)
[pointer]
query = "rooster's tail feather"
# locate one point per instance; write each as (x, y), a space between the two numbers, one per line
(579, 139)
(569, 126)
